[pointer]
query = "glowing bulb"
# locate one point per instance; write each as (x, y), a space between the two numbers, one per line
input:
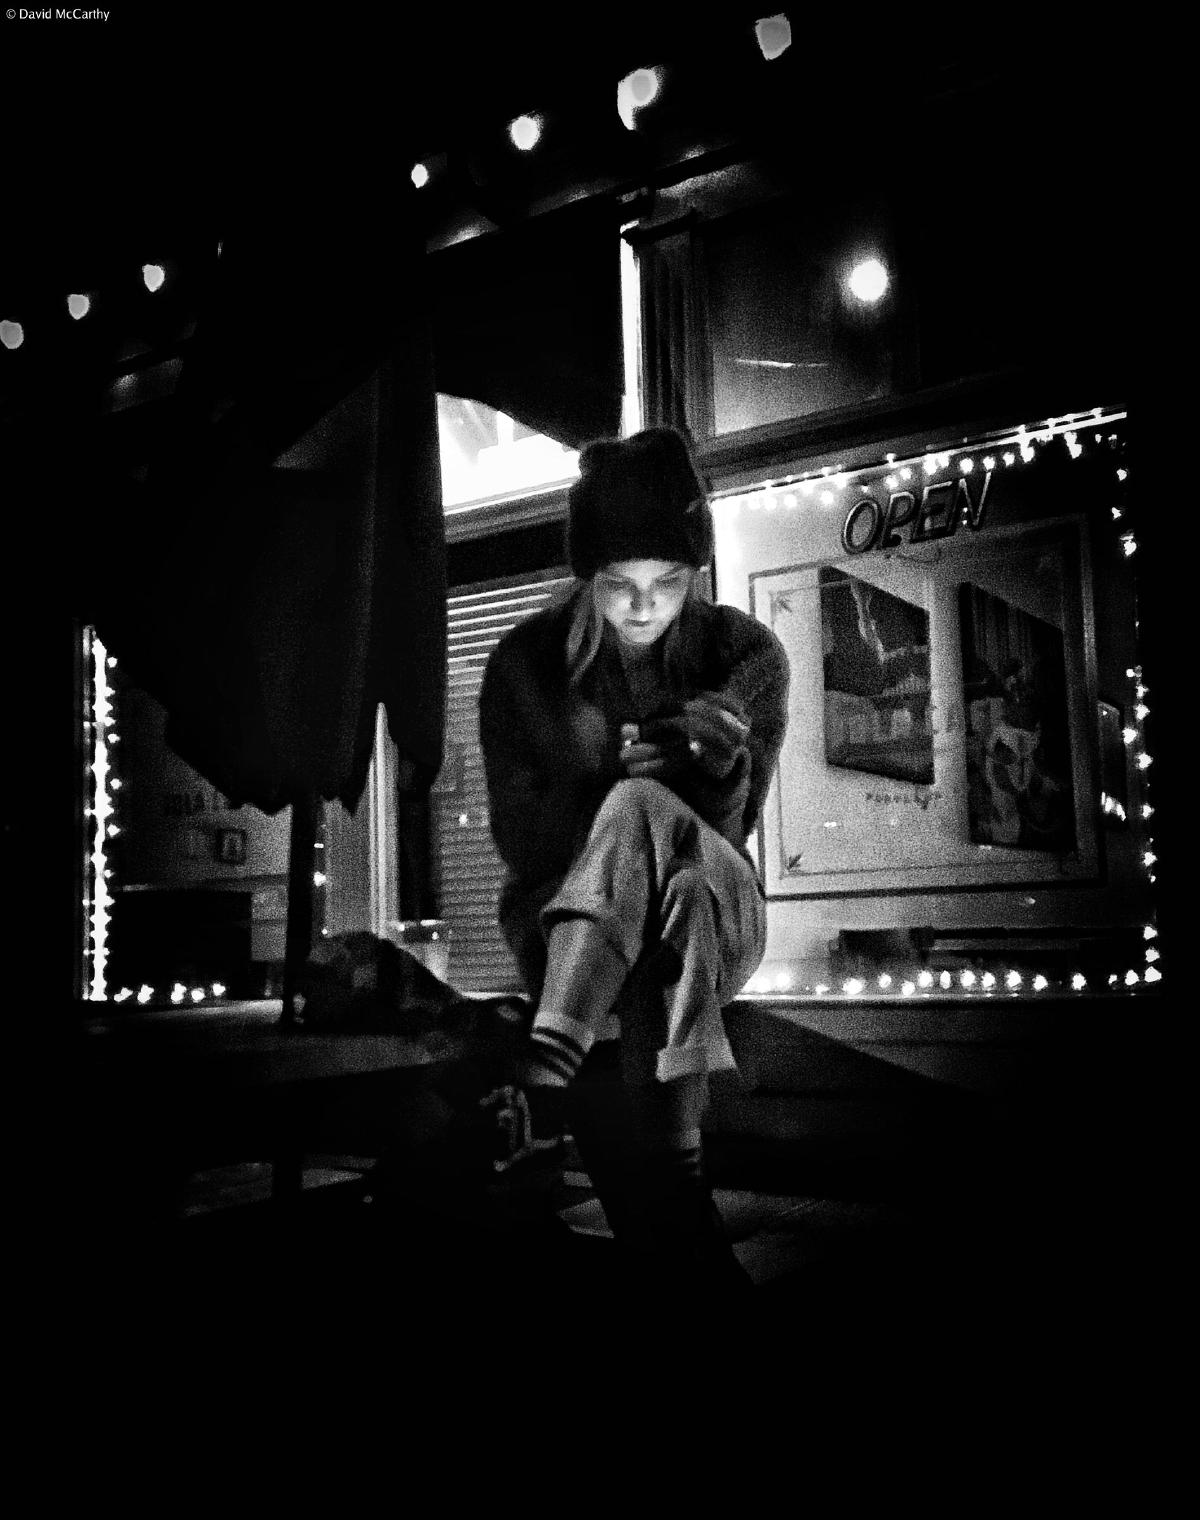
(1132, 979)
(1010, 458)
(1149, 932)
(525, 132)
(178, 993)
(12, 334)
(154, 275)
(966, 465)
(1079, 982)
(885, 981)
(988, 979)
(945, 979)
(854, 985)
(1153, 975)
(783, 981)
(197, 994)
(907, 989)
(79, 306)
(318, 878)
(1040, 983)
(1151, 954)
(925, 979)
(774, 34)
(968, 979)
(635, 92)
(420, 176)
(145, 994)
(218, 989)
(989, 463)
(1013, 979)
(868, 281)
(124, 993)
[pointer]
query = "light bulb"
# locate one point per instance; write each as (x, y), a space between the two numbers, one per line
(526, 132)
(868, 281)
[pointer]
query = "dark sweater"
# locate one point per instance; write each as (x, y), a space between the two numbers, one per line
(550, 749)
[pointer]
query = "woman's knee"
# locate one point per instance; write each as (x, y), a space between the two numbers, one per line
(688, 887)
(641, 799)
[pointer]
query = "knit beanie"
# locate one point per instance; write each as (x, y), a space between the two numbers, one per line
(638, 498)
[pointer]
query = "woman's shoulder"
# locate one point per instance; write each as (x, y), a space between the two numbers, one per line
(537, 640)
(737, 633)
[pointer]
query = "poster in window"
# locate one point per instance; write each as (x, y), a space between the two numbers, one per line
(875, 647)
(1020, 783)
(939, 718)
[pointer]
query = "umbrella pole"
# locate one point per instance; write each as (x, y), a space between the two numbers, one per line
(298, 945)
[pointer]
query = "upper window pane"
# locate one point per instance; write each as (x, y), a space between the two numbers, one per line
(802, 311)
(486, 455)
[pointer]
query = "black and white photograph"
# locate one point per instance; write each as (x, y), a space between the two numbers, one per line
(1019, 767)
(876, 659)
(586, 682)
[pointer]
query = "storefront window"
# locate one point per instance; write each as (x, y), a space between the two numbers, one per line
(961, 802)
(802, 312)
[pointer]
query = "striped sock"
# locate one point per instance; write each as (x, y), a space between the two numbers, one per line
(555, 1056)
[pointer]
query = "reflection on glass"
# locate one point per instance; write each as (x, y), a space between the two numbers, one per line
(789, 336)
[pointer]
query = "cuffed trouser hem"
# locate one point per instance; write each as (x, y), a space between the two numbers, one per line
(690, 1061)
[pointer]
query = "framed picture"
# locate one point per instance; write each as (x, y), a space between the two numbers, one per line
(940, 732)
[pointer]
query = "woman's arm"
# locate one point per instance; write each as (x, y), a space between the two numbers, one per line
(718, 752)
(540, 808)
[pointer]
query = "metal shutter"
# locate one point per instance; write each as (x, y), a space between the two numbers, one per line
(467, 872)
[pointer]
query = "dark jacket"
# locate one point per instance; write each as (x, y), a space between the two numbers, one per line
(550, 749)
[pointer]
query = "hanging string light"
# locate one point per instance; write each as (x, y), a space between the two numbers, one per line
(99, 810)
(101, 786)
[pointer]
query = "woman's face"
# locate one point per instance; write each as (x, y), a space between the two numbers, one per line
(641, 598)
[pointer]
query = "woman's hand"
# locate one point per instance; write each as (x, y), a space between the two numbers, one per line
(662, 759)
(715, 733)
(706, 733)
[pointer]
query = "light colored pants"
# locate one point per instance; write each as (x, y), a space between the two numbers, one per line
(684, 910)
